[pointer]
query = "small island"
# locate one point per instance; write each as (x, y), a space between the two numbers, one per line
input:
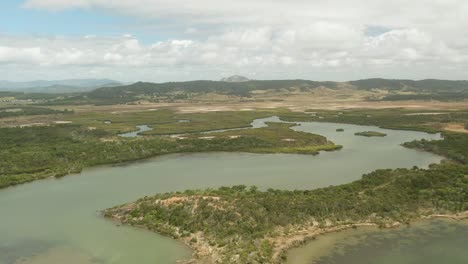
(370, 134)
(340, 130)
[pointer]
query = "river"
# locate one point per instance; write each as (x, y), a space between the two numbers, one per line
(57, 221)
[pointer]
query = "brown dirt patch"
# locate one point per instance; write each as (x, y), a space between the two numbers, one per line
(456, 127)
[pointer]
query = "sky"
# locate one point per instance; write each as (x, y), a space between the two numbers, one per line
(179, 40)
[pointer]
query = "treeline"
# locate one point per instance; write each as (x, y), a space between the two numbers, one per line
(437, 89)
(183, 90)
(444, 90)
(428, 85)
(29, 110)
(241, 222)
(453, 146)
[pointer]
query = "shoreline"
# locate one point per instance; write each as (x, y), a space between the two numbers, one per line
(203, 253)
(302, 239)
(311, 151)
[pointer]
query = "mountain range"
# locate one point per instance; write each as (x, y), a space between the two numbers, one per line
(57, 86)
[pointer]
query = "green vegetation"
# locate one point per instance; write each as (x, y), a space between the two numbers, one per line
(167, 122)
(202, 122)
(174, 91)
(245, 225)
(426, 90)
(32, 153)
(428, 85)
(186, 90)
(454, 146)
(396, 118)
(38, 152)
(29, 110)
(275, 138)
(30, 97)
(370, 134)
(443, 90)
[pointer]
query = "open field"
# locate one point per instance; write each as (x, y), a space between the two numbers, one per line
(94, 115)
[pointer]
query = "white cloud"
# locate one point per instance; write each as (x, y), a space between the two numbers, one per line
(20, 55)
(317, 39)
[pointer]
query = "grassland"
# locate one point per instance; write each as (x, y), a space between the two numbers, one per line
(431, 121)
(164, 121)
(202, 122)
(15, 111)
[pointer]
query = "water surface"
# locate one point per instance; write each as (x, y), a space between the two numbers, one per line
(429, 242)
(52, 220)
(136, 133)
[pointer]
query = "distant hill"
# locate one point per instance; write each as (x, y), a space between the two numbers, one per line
(428, 85)
(132, 92)
(109, 93)
(129, 92)
(244, 87)
(427, 90)
(235, 78)
(57, 86)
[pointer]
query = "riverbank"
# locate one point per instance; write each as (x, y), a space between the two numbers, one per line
(68, 149)
(205, 253)
(313, 233)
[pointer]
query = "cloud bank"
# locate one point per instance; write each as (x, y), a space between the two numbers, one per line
(335, 40)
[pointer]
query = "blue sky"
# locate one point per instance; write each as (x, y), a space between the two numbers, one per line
(170, 40)
(17, 20)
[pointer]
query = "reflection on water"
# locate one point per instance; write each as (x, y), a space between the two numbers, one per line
(429, 242)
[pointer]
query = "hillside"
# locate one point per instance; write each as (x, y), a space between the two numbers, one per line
(57, 86)
(427, 85)
(240, 88)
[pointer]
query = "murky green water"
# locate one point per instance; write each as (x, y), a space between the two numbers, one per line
(429, 242)
(140, 129)
(56, 221)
